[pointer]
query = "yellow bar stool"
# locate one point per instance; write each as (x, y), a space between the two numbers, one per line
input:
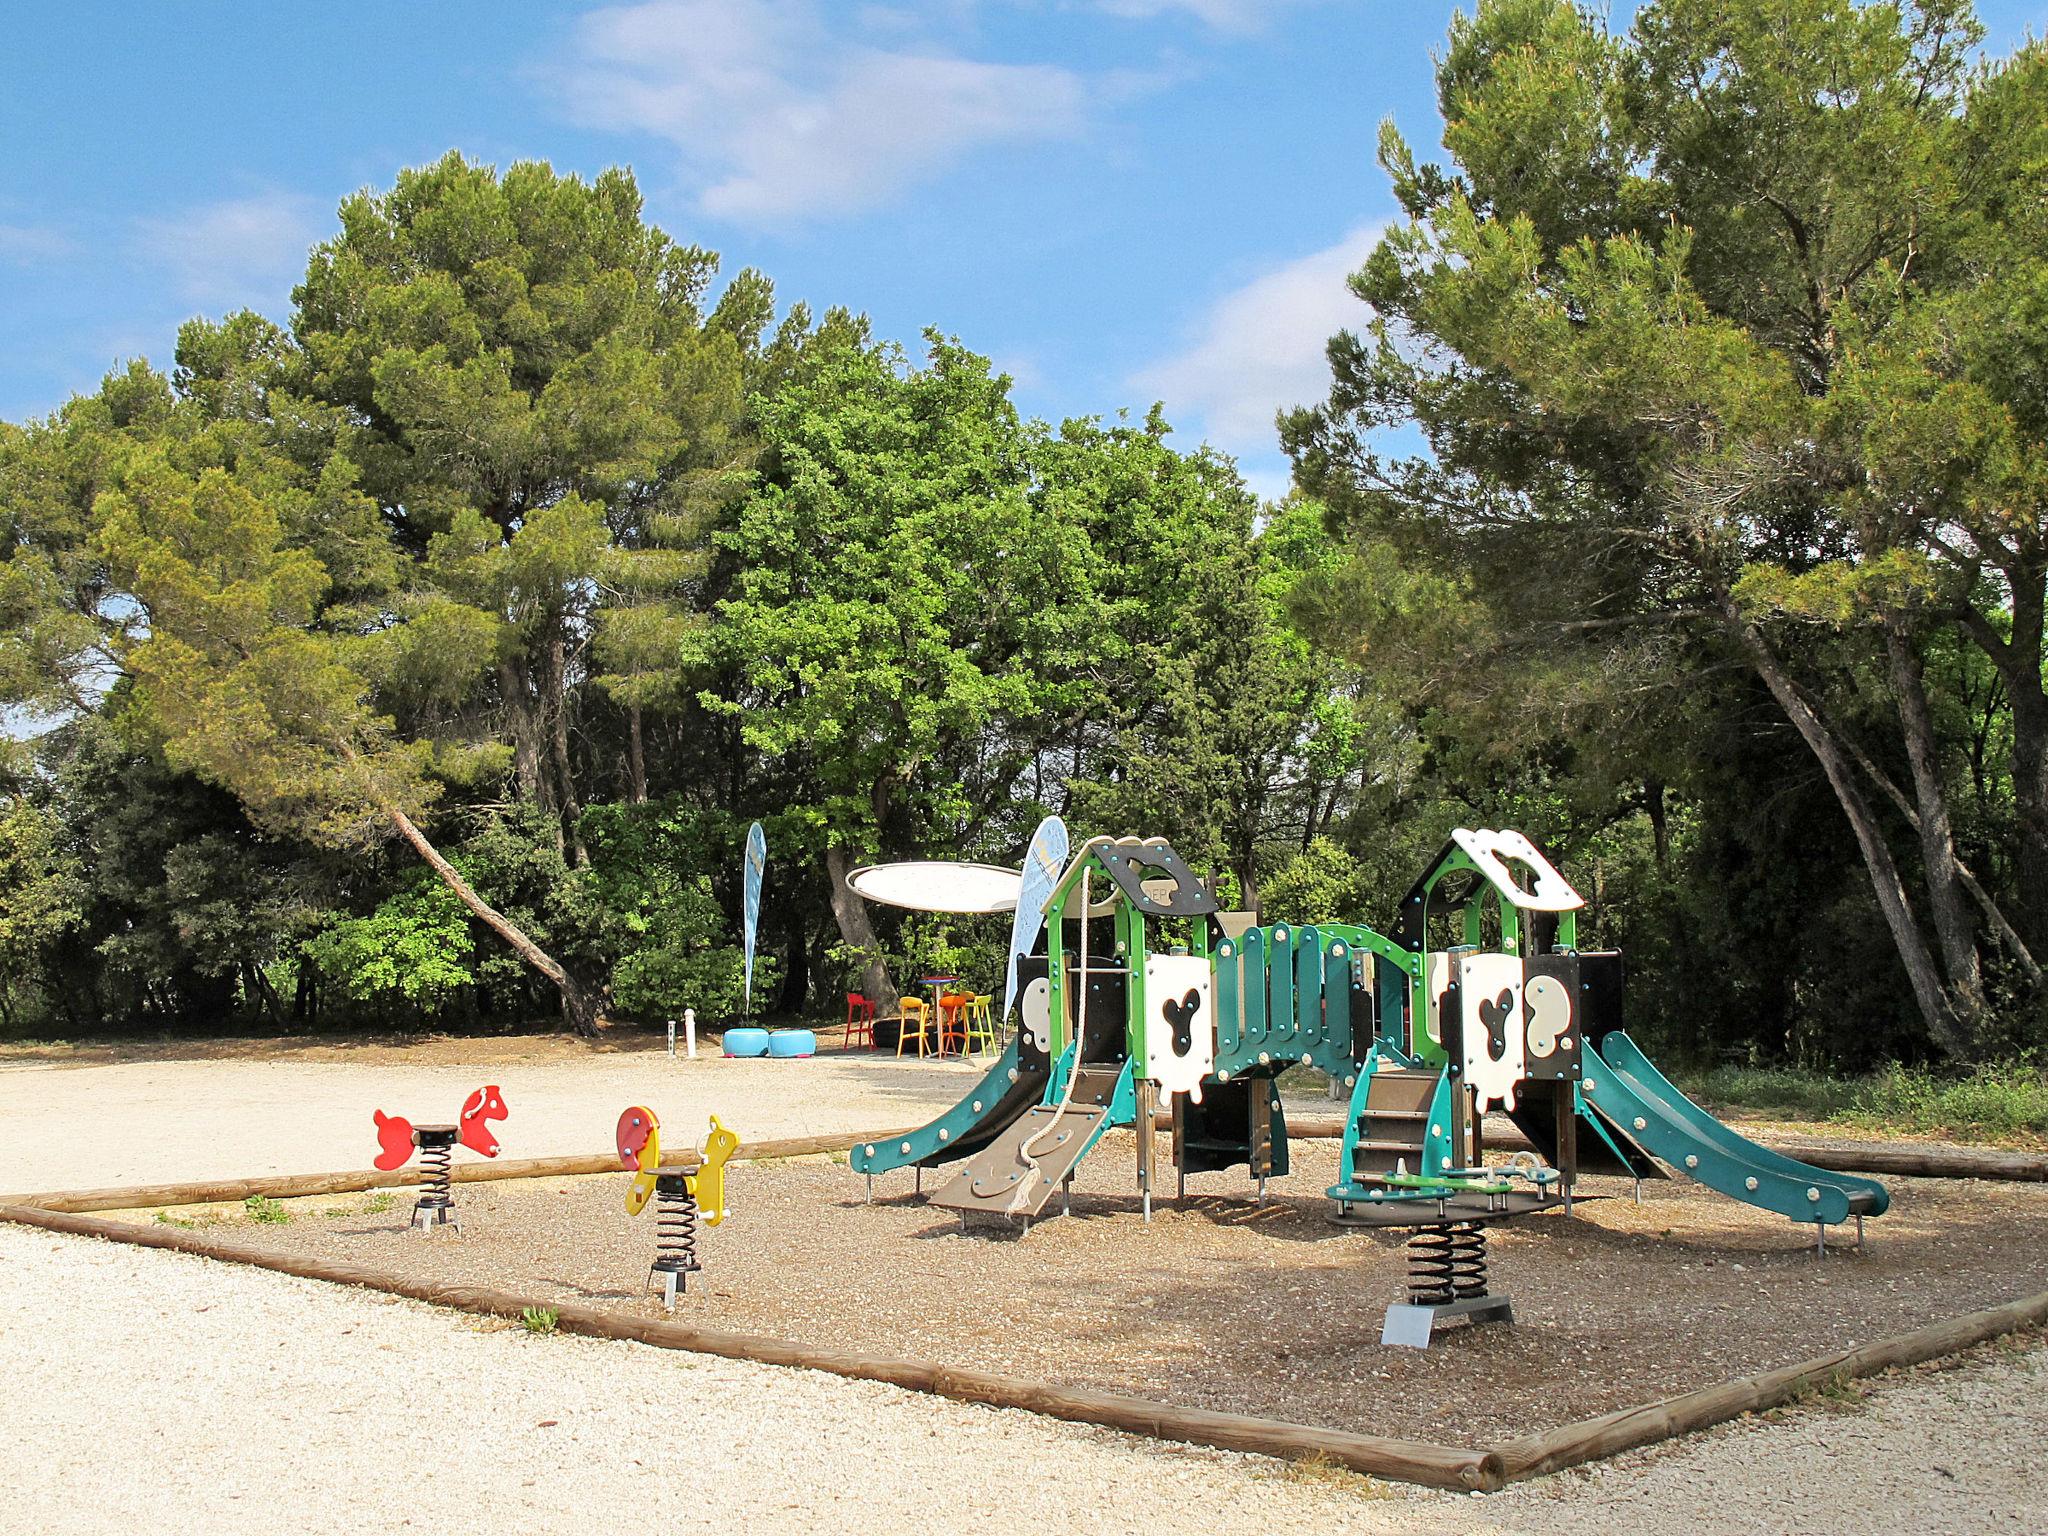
(914, 1008)
(978, 1025)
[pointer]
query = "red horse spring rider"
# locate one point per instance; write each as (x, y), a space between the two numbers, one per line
(397, 1137)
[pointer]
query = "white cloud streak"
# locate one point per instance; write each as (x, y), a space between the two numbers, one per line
(1260, 348)
(33, 245)
(1239, 16)
(777, 116)
(235, 253)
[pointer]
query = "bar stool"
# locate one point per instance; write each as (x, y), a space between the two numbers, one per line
(978, 1030)
(921, 1010)
(952, 1026)
(860, 1022)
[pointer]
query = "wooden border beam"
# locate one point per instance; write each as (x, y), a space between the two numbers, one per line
(292, 1186)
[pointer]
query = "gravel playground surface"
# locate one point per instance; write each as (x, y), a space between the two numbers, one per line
(197, 1396)
(1228, 1305)
(151, 1389)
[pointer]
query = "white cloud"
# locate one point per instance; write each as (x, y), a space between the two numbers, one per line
(1260, 349)
(244, 251)
(30, 245)
(778, 115)
(1223, 15)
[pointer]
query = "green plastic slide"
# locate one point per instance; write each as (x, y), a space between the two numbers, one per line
(1642, 1103)
(1011, 1087)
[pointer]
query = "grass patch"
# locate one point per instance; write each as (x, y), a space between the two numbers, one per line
(539, 1321)
(1996, 1103)
(266, 1211)
(1320, 1471)
(1833, 1393)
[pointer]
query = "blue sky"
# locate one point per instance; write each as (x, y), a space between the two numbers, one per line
(1119, 200)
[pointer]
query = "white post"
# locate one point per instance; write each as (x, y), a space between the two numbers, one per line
(690, 1031)
(671, 1037)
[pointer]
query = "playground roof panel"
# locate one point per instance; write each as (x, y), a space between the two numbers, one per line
(1492, 852)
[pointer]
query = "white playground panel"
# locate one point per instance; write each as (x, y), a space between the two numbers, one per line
(1176, 982)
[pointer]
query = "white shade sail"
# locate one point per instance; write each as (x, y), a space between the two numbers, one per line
(935, 885)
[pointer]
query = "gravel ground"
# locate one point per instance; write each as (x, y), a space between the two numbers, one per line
(191, 1119)
(153, 1390)
(202, 1396)
(1266, 1310)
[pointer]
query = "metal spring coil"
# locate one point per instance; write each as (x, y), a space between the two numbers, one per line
(1446, 1263)
(434, 1161)
(675, 1239)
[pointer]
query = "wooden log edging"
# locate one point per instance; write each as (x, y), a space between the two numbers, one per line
(1552, 1450)
(1413, 1461)
(290, 1186)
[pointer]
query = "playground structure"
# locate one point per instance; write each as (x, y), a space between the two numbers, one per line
(680, 1196)
(399, 1138)
(1145, 993)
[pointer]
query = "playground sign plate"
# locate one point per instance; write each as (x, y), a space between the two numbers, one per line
(935, 885)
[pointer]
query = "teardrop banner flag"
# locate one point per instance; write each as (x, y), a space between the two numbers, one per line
(1043, 861)
(750, 899)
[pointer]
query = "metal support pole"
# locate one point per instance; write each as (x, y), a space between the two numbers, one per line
(871, 1189)
(1859, 1231)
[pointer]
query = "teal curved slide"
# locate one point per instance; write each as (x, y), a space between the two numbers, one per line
(1011, 1087)
(1642, 1104)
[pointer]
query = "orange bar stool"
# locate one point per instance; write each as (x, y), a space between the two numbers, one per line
(952, 1016)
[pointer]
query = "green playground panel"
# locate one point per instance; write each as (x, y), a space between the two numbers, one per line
(1281, 1024)
(1626, 1089)
(1283, 995)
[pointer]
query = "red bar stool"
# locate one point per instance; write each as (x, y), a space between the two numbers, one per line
(860, 1022)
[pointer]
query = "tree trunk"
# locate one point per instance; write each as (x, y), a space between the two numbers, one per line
(579, 1007)
(2018, 661)
(2007, 934)
(636, 759)
(554, 712)
(855, 930)
(523, 726)
(1952, 925)
(1944, 1030)
(1660, 825)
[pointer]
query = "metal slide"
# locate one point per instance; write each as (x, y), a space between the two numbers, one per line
(1017, 1173)
(1012, 1087)
(1626, 1089)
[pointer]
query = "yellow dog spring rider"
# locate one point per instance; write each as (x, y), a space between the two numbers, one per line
(680, 1196)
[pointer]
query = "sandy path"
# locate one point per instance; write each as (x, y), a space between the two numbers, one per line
(203, 1119)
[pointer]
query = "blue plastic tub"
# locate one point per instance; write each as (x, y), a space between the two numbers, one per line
(746, 1042)
(793, 1042)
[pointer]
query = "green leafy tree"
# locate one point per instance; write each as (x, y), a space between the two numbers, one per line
(415, 946)
(520, 373)
(901, 623)
(40, 896)
(1682, 327)
(256, 684)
